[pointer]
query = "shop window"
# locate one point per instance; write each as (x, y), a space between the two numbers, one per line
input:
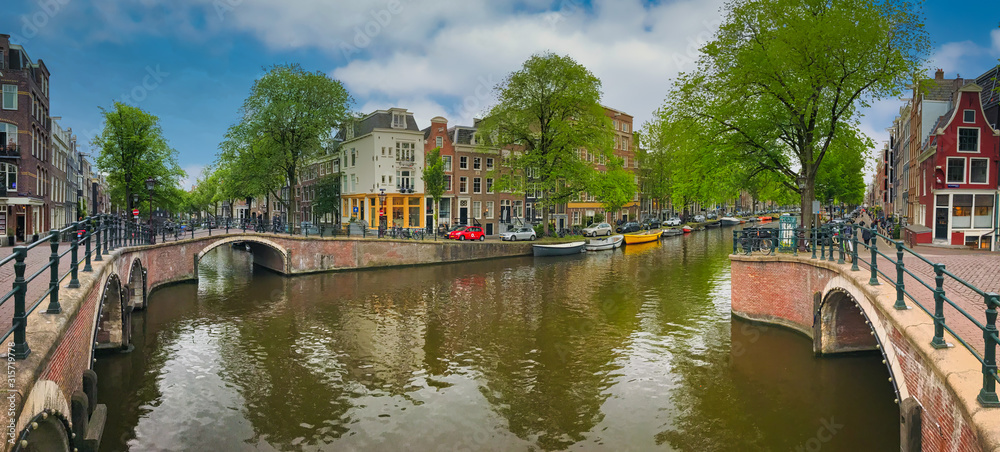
(961, 214)
(983, 213)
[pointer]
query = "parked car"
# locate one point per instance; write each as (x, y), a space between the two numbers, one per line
(713, 216)
(524, 233)
(628, 227)
(699, 218)
(597, 229)
(649, 223)
(468, 233)
(675, 221)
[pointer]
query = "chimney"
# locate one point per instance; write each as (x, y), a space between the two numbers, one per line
(939, 75)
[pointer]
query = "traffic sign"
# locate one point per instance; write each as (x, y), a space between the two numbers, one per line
(135, 212)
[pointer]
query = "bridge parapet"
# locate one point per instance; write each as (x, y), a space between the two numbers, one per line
(938, 389)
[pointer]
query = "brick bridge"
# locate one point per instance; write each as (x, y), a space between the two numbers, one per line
(936, 388)
(51, 403)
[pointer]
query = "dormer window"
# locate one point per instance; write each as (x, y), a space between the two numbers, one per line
(349, 133)
(398, 121)
(969, 116)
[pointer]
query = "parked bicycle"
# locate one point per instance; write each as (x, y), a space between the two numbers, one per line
(761, 240)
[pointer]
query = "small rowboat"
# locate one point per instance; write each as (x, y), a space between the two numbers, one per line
(607, 243)
(729, 221)
(560, 249)
(643, 237)
(672, 231)
(687, 229)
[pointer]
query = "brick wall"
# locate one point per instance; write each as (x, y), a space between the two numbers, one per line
(761, 292)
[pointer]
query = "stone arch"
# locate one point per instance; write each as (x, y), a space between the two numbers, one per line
(845, 314)
(136, 286)
(266, 253)
(43, 422)
(112, 326)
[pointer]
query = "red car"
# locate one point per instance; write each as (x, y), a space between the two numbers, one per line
(468, 233)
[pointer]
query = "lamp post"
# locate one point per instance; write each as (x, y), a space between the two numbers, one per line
(150, 183)
(382, 223)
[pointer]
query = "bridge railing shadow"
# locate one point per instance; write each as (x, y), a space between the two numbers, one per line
(859, 246)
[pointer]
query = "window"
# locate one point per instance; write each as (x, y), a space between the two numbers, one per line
(477, 185)
(961, 214)
(10, 97)
(350, 131)
(8, 135)
(968, 140)
(576, 217)
(477, 163)
(446, 159)
(518, 209)
(404, 180)
(979, 171)
(488, 213)
(489, 185)
(405, 151)
(398, 121)
(983, 212)
(969, 116)
(477, 209)
(489, 164)
(447, 182)
(463, 184)
(354, 158)
(439, 141)
(956, 170)
(463, 162)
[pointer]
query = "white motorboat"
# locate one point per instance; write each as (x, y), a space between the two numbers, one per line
(607, 243)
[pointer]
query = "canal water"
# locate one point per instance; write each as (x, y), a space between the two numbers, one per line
(627, 350)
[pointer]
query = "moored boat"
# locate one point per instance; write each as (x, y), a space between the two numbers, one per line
(672, 232)
(643, 237)
(607, 243)
(559, 249)
(729, 221)
(687, 229)
(713, 224)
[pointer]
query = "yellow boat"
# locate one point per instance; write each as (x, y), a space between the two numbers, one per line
(643, 237)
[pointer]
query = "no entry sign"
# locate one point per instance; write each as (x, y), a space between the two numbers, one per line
(135, 212)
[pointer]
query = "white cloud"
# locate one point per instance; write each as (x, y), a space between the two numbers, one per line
(193, 171)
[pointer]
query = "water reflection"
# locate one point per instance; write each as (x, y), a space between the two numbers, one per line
(628, 350)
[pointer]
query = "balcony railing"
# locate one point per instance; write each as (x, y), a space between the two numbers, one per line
(405, 162)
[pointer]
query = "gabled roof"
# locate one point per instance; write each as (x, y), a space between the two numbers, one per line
(990, 81)
(463, 135)
(380, 119)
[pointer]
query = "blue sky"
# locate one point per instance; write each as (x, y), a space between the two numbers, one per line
(191, 62)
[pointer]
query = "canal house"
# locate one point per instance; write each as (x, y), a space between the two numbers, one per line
(958, 185)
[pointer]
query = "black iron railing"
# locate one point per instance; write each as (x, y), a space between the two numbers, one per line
(841, 242)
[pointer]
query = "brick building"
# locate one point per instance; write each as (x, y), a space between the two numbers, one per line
(588, 205)
(26, 157)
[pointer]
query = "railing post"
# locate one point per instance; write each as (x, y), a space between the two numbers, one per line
(822, 245)
(814, 233)
(854, 251)
(734, 241)
(873, 281)
(97, 242)
(795, 241)
(54, 307)
(938, 340)
(988, 395)
(829, 240)
(20, 349)
(840, 244)
(900, 287)
(74, 259)
(86, 252)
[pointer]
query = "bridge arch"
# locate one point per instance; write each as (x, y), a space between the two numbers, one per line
(136, 286)
(266, 253)
(112, 328)
(46, 427)
(847, 321)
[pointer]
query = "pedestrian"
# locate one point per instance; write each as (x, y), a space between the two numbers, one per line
(866, 234)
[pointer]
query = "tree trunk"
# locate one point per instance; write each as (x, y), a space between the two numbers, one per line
(808, 191)
(545, 214)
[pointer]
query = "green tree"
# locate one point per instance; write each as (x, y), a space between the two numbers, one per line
(285, 121)
(615, 187)
(434, 182)
(546, 113)
(328, 197)
(133, 149)
(783, 80)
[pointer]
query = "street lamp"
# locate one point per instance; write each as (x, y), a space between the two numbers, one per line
(382, 223)
(150, 183)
